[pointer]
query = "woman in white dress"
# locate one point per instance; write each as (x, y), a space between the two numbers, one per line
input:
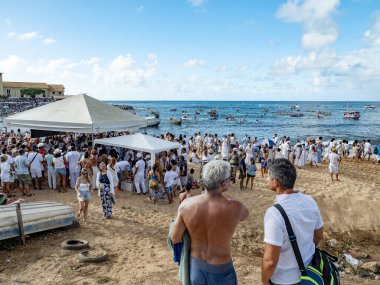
(95, 169)
(249, 153)
(302, 156)
(113, 169)
(5, 174)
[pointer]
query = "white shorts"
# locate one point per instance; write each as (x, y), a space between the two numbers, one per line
(333, 168)
(36, 172)
(5, 178)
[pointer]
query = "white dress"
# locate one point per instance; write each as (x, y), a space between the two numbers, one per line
(5, 172)
(302, 159)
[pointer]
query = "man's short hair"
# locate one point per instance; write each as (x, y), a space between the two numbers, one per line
(283, 171)
(213, 174)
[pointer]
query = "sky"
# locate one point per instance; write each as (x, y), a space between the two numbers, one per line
(196, 49)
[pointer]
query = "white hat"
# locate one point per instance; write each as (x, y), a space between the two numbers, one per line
(69, 148)
(40, 145)
(139, 155)
(235, 149)
(147, 156)
(57, 151)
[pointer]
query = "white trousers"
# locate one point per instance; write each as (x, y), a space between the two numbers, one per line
(139, 179)
(52, 179)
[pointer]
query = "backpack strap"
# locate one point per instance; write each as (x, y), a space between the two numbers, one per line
(292, 239)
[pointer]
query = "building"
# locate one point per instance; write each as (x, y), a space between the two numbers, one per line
(13, 89)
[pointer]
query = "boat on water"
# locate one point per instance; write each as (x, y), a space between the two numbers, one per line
(351, 115)
(348, 114)
(155, 114)
(230, 118)
(152, 122)
(294, 107)
(185, 117)
(36, 217)
(296, 115)
(175, 121)
(213, 114)
(369, 107)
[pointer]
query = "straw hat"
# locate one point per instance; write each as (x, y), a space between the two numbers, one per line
(57, 151)
(333, 149)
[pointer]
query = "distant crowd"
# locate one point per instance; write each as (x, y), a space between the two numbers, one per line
(10, 106)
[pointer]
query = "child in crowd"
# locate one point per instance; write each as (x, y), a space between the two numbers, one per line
(186, 194)
(251, 172)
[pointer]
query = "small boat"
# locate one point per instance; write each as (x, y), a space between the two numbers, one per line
(197, 112)
(213, 114)
(152, 122)
(36, 217)
(293, 107)
(369, 107)
(155, 114)
(230, 118)
(173, 110)
(296, 115)
(175, 122)
(351, 115)
(185, 117)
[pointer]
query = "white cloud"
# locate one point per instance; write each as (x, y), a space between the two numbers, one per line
(123, 71)
(315, 16)
(140, 9)
(49, 41)
(197, 3)
(194, 63)
(373, 35)
(11, 35)
(28, 36)
(91, 60)
(11, 64)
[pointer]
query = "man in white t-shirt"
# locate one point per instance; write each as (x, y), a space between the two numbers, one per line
(334, 163)
(279, 263)
(35, 161)
(74, 168)
(170, 180)
(140, 174)
(367, 150)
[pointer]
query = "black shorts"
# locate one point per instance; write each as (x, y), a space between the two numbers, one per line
(251, 175)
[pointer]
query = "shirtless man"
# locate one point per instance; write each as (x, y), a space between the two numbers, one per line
(211, 219)
(186, 194)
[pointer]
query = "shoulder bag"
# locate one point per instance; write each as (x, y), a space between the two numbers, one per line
(321, 270)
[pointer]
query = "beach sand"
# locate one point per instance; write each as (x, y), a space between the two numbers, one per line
(135, 238)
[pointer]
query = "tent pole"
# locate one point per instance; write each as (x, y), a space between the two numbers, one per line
(92, 136)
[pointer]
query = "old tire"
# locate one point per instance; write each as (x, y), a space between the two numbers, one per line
(74, 244)
(92, 256)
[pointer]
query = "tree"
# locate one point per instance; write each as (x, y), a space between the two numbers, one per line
(32, 92)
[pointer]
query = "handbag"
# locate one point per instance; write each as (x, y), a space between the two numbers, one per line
(321, 270)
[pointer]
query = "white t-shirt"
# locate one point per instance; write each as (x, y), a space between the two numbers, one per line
(170, 177)
(334, 158)
(367, 146)
(305, 217)
(140, 165)
(72, 158)
(37, 160)
(58, 162)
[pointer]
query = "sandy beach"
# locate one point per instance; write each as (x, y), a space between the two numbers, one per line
(135, 238)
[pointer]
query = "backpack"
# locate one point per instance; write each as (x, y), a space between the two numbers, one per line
(321, 270)
(375, 150)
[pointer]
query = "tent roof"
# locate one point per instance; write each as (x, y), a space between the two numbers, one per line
(81, 114)
(139, 142)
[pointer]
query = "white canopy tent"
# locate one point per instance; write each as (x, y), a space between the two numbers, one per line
(140, 142)
(78, 114)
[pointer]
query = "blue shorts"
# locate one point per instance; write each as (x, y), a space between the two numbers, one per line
(60, 171)
(84, 195)
(169, 189)
(204, 273)
(119, 176)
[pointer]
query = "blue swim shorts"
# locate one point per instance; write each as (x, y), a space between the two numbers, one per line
(169, 189)
(204, 273)
(60, 171)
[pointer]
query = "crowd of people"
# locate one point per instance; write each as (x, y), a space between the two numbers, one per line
(10, 106)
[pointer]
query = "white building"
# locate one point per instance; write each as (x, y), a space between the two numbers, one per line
(13, 89)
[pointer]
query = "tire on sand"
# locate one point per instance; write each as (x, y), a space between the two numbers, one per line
(92, 256)
(74, 244)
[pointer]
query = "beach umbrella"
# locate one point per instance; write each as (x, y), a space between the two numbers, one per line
(266, 141)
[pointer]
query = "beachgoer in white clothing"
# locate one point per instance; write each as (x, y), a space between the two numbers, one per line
(72, 158)
(140, 174)
(334, 164)
(35, 161)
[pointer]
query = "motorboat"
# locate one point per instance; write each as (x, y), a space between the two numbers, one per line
(36, 217)
(185, 117)
(175, 122)
(230, 118)
(351, 115)
(213, 114)
(369, 107)
(152, 122)
(294, 107)
(155, 114)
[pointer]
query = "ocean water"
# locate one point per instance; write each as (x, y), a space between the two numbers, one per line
(252, 120)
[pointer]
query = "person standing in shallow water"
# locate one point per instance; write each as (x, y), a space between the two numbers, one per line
(106, 190)
(211, 220)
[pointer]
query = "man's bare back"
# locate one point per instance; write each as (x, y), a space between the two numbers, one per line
(211, 219)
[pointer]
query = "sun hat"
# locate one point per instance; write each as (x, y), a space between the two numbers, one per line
(333, 149)
(147, 156)
(40, 145)
(139, 155)
(57, 151)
